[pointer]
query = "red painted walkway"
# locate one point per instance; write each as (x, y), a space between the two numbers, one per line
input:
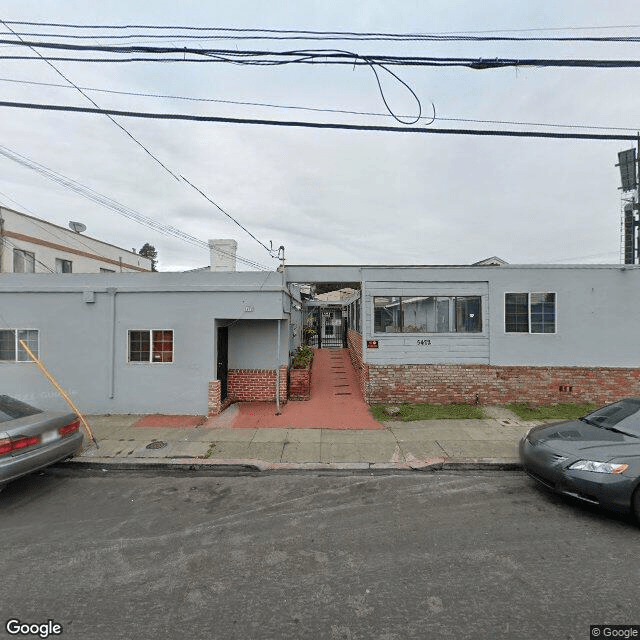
(160, 421)
(336, 400)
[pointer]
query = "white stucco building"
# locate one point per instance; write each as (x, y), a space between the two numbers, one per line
(32, 245)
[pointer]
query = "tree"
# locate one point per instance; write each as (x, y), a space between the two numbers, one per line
(149, 251)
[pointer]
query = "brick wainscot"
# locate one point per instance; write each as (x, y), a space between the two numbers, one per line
(247, 385)
(488, 384)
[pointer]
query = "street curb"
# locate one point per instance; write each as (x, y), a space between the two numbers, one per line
(261, 466)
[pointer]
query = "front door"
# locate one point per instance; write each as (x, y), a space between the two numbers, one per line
(223, 360)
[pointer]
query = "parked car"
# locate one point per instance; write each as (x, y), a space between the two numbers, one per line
(31, 439)
(595, 458)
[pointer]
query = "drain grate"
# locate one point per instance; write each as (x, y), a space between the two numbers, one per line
(342, 394)
(156, 444)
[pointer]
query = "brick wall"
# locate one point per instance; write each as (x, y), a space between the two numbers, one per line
(300, 383)
(245, 385)
(485, 384)
(354, 342)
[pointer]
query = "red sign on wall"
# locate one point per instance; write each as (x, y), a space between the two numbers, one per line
(372, 344)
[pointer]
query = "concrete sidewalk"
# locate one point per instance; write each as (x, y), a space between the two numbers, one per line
(427, 444)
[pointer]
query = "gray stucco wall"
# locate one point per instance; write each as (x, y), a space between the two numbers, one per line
(253, 344)
(88, 353)
(597, 313)
(597, 316)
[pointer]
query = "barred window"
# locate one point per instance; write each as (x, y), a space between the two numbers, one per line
(10, 348)
(150, 345)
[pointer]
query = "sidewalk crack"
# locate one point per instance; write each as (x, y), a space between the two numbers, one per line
(443, 449)
(398, 446)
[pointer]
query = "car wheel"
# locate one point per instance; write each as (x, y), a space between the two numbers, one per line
(635, 503)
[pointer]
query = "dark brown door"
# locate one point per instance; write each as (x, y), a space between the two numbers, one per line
(223, 360)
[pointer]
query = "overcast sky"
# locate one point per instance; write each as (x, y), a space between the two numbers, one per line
(334, 197)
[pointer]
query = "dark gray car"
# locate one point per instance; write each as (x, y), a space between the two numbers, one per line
(31, 439)
(595, 458)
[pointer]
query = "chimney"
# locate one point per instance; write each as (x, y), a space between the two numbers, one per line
(223, 254)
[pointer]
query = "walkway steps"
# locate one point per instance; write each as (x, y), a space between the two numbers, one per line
(336, 401)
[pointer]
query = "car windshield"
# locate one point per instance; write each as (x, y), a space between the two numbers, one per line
(10, 409)
(623, 416)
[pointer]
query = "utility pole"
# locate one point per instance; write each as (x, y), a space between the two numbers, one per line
(281, 270)
(630, 179)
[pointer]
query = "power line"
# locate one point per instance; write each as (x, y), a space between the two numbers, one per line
(114, 205)
(310, 56)
(314, 109)
(76, 237)
(10, 245)
(319, 125)
(206, 197)
(339, 36)
(124, 130)
(304, 33)
(471, 63)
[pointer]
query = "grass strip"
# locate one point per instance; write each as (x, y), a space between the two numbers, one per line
(410, 412)
(565, 411)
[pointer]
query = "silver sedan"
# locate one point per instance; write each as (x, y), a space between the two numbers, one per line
(31, 439)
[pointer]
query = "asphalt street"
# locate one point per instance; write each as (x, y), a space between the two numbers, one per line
(112, 554)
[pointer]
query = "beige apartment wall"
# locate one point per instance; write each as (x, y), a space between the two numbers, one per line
(48, 241)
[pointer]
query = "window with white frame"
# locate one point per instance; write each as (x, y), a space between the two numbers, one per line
(530, 312)
(24, 261)
(10, 348)
(427, 314)
(151, 345)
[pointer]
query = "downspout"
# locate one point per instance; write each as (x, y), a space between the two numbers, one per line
(112, 342)
(1, 239)
(281, 270)
(364, 316)
(278, 412)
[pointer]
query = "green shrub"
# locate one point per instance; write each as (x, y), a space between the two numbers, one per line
(303, 356)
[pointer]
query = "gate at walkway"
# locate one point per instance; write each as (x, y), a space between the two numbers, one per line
(329, 324)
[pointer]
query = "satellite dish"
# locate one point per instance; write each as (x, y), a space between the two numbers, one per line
(78, 227)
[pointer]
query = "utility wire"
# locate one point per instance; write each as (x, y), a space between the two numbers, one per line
(247, 58)
(125, 131)
(313, 58)
(306, 34)
(76, 237)
(337, 36)
(10, 245)
(114, 205)
(314, 109)
(320, 125)
(155, 158)
(323, 56)
(206, 197)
